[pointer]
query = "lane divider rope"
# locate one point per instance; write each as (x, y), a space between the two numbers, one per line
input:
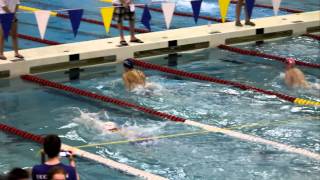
(153, 112)
(166, 136)
(84, 154)
(39, 40)
(209, 18)
(264, 55)
(92, 21)
(225, 82)
(184, 14)
(316, 37)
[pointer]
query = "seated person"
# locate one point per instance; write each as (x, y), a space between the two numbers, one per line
(52, 148)
(294, 77)
(57, 173)
(18, 174)
(132, 78)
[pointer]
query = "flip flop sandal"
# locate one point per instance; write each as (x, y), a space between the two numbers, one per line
(19, 56)
(123, 43)
(136, 41)
(2, 57)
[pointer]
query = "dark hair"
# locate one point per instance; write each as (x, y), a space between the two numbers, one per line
(17, 174)
(52, 145)
(55, 170)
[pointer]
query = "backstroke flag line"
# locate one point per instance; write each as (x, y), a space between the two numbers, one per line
(224, 6)
(168, 10)
(107, 13)
(276, 6)
(75, 16)
(42, 18)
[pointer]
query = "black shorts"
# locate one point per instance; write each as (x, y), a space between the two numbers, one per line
(123, 13)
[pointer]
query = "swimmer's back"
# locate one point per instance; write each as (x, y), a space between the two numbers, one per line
(134, 78)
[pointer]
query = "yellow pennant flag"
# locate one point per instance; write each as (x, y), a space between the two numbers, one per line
(107, 13)
(224, 5)
(108, 1)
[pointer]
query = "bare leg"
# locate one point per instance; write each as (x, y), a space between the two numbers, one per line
(2, 57)
(132, 33)
(120, 27)
(238, 12)
(13, 32)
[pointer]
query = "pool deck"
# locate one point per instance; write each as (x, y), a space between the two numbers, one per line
(207, 36)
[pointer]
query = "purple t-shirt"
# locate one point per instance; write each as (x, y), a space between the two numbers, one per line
(39, 172)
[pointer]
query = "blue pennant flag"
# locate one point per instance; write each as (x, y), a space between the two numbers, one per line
(6, 22)
(196, 6)
(75, 16)
(146, 17)
(249, 7)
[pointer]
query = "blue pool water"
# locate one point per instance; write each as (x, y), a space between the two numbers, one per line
(43, 110)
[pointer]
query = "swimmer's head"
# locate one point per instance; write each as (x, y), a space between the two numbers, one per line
(110, 126)
(290, 62)
(128, 64)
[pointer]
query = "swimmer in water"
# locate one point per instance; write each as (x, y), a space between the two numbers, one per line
(294, 77)
(110, 127)
(132, 78)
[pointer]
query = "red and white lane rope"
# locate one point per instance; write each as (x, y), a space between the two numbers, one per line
(153, 112)
(264, 55)
(225, 82)
(84, 154)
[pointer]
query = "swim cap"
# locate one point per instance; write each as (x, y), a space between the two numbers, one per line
(110, 126)
(128, 64)
(290, 62)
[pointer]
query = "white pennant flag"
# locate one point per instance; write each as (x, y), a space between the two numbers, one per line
(168, 10)
(42, 18)
(276, 6)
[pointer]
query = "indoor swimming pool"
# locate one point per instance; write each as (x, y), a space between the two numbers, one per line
(173, 150)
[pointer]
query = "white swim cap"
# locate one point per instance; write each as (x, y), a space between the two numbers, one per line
(110, 126)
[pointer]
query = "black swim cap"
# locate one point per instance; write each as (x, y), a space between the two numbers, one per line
(128, 64)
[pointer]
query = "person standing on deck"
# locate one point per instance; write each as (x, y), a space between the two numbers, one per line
(10, 6)
(124, 10)
(238, 14)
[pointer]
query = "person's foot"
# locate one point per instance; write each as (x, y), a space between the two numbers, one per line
(2, 57)
(136, 40)
(123, 43)
(17, 55)
(249, 23)
(238, 23)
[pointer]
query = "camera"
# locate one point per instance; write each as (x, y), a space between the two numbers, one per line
(65, 154)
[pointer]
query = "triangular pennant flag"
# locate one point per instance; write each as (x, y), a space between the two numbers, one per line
(75, 16)
(276, 6)
(196, 6)
(168, 10)
(107, 14)
(224, 6)
(6, 22)
(146, 17)
(42, 18)
(249, 7)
